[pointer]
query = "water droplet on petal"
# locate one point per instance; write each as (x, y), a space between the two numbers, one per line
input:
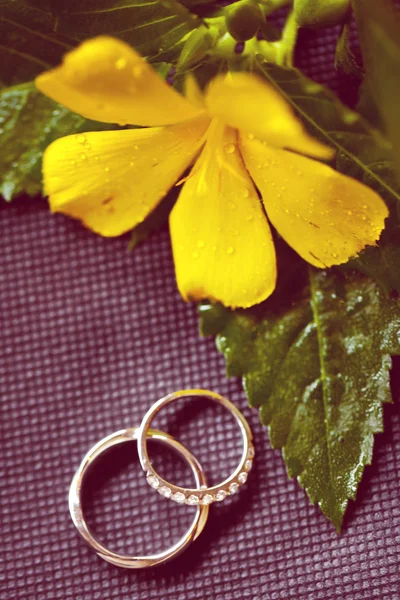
(201, 243)
(154, 162)
(195, 254)
(246, 193)
(106, 169)
(229, 148)
(83, 156)
(121, 63)
(81, 138)
(230, 250)
(250, 217)
(250, 136)
(73, 162)
(138, 70)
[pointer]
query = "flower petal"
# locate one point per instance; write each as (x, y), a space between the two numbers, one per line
(112, 180)
(221, 240)
(106, 80)
(325, 216)
(250, 104)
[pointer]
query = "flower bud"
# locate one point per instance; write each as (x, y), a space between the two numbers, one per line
(243, 19)
(320, 13)
(197, 45)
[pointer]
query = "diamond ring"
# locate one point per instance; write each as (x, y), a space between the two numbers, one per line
(193, 496)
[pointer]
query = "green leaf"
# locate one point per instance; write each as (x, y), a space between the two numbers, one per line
(379, 34)
(35, 34)
(29, 122)
(318, 369)
(361, 153)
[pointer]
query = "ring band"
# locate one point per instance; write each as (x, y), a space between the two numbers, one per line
(75, 504)
(193, 496)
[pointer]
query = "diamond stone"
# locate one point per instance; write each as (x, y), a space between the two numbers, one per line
(233, 488)
(221, 495)
(207, 499)
(248, 464)
(193, 500)
(178, 497)
(165, 491)
(153, 481)
(242, 478)
(251, 452)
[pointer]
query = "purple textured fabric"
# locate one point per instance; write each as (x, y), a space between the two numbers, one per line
(91, 335)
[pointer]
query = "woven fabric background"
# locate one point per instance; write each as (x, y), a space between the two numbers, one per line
(91, 335)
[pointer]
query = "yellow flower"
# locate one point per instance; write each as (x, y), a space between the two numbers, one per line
(241, 136)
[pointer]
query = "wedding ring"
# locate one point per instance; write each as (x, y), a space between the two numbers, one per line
(206, 495)
(75, 504)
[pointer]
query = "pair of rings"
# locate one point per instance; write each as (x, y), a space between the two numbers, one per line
(200, 496)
